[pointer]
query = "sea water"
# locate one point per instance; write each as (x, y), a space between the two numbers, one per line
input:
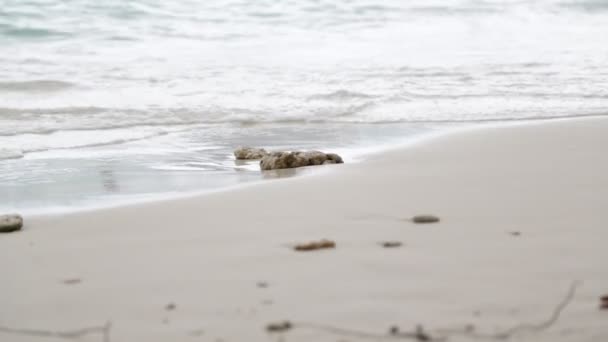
(109, 101)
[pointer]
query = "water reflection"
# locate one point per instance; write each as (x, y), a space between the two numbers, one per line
(108, 180)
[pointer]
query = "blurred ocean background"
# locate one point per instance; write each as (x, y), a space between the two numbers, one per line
(118, 101)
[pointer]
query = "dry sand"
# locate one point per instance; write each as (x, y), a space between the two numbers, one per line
(206, 255)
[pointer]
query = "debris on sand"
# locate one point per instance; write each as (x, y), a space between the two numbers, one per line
(314, 245)
(391, 244)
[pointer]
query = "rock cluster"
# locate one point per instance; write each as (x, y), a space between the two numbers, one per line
(288, 160)
(249, 153)
(10, 223)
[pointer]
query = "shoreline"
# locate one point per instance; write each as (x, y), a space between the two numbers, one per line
(521, 220)
(360, 156)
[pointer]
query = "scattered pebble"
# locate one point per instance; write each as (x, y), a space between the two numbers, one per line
(196, 333)
(391, 244)
(314, 245)
(604, 302)
(170, 306)
(425, 219)
(279, 326)
(515, 233)
(262, 284)
(72, 281)
(419, 334)
(393, 330)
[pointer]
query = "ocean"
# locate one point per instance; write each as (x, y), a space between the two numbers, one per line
(118, 101)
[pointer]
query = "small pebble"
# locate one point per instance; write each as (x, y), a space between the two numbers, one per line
(394, 330)
(515, 233)
(391, 244)
(197, 333)
(72, 281)
(604, 302)
(425, 219)
(170, 306)
(279, 326)
(10, 223)
(262, 284)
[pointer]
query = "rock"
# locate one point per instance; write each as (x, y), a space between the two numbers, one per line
(10, 223)
(334, 158)
(288, 160)
(249, 153)
(170, 306)
(314, 245)
(425, 219)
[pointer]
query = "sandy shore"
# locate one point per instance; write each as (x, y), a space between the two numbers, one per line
(225, 260)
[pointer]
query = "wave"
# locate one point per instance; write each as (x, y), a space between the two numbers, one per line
(341, 95)
(77, 141)
(35, 86)
(31, 33)
(590, 6)
(10, 154)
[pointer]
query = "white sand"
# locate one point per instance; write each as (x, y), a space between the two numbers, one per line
(548, 181)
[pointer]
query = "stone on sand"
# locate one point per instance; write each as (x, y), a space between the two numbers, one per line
(249, 153)
(289, 160)
(425, 219)
(10, 223)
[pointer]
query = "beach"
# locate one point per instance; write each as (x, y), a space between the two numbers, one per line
(521, 209)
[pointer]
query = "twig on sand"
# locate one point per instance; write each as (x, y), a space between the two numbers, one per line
(527, 327)
(104, 331)
(420, 334)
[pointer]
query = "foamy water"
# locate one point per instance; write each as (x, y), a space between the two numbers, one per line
(99, 99)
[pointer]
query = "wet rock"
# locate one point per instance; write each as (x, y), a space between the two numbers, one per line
(288, 160)
(425, 219)
(314, 245)
(249, 153)
(10, 223)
